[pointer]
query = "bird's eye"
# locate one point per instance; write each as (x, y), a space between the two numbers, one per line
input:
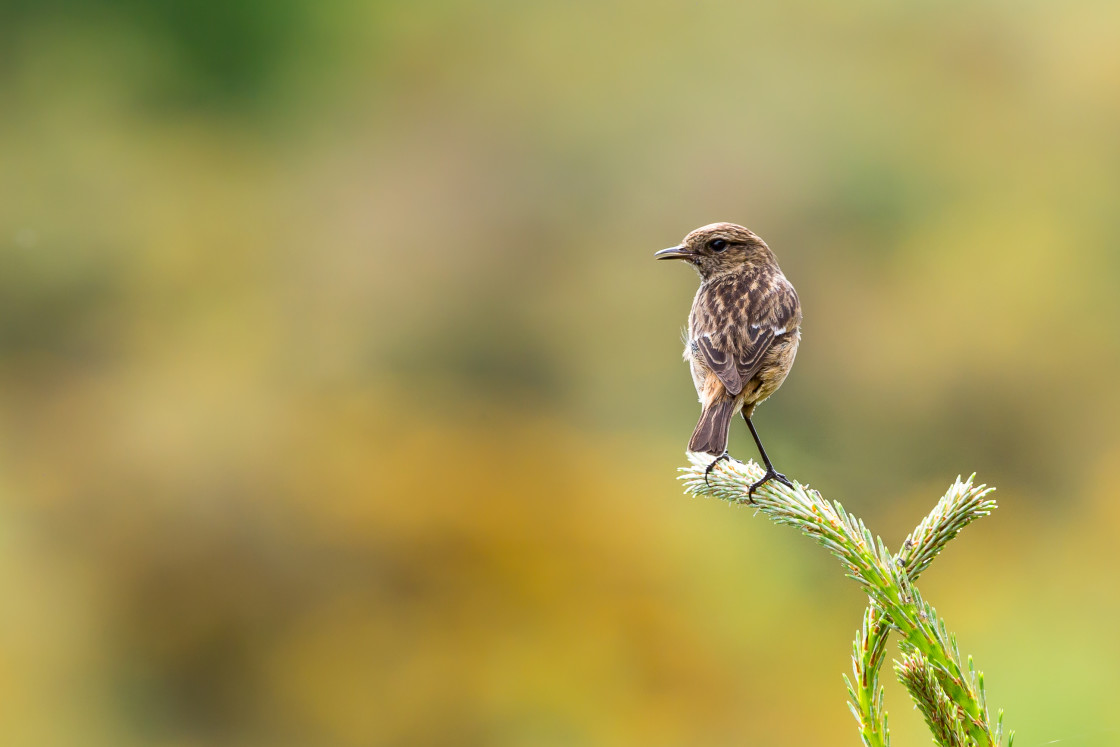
(717, 245)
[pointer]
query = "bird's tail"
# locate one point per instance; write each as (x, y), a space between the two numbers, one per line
(710, 435)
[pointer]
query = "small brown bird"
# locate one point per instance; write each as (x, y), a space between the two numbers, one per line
(743, 333)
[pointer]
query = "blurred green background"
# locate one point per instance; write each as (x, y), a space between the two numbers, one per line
(341, 399)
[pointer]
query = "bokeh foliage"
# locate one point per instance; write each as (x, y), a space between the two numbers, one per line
(340, 397)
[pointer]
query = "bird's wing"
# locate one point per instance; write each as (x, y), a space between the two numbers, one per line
(770, 313)
(753, 344)
(721, 362)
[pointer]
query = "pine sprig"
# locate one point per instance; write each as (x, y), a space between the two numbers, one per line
(865, 694)
(888, 581)
(942, 716)
(962, 504)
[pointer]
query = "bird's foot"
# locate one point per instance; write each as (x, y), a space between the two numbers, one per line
(712, 465)
(771, 474)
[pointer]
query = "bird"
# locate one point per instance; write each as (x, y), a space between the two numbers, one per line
(742, 337)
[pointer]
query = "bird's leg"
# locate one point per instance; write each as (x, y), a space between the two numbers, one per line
(771, 473)
(712, 464)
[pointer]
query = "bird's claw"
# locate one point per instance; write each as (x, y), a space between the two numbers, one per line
(771, 474)
(712, 465)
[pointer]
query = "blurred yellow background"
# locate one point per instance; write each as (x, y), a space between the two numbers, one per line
(341, 399)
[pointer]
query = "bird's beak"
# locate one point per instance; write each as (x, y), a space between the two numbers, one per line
(674, 252)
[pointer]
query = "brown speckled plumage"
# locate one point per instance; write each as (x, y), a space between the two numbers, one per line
(743, 331)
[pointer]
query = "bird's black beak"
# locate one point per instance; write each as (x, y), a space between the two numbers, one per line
(674, 252)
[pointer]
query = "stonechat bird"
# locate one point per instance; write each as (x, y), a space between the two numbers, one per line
(742, 336)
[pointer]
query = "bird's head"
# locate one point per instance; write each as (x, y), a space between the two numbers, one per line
(719, 248)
